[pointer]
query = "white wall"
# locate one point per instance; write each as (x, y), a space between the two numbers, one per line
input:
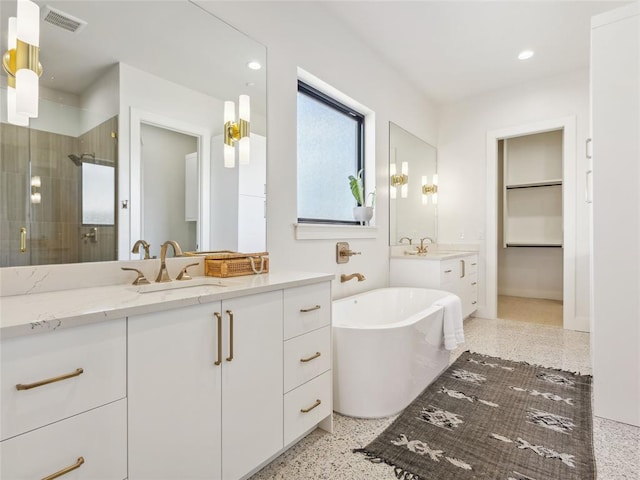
(462, 164)
(305, 35)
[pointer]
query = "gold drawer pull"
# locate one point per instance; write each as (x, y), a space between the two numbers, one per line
(29, 386)
(474, 302)
(311, 309)
(474, 264)
(447, 271)
(474, 283)
(304, 360)
(230, 357)
(64, 471)
(307, 410)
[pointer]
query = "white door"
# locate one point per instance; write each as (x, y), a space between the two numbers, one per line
(252, 382)
(174, 394)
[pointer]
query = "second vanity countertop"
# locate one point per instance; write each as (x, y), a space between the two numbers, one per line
(402, 252)
(38, 312)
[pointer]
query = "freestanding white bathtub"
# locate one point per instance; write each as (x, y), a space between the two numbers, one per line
(387, 348)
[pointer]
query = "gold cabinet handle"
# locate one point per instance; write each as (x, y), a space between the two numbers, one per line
(23, 239)
(447, 271)
(474, 302)
(29, 386)
(310, 309)
(305, 360)
(230, 357)
(474, 283)
(307, 410)
(64, 471)
(219, 318)
(463, 268)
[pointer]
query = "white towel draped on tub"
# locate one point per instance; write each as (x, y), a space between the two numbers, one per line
(452, 319)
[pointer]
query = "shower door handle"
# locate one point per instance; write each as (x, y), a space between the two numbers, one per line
(23, 240)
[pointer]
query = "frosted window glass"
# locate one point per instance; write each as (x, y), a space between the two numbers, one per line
(327, 155)
(98, 197)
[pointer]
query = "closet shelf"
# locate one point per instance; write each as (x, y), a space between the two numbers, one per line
(547, 183)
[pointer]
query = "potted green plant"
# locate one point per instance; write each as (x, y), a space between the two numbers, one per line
(361, 212)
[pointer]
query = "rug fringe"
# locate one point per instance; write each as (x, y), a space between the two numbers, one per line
(399, 472)
(535, 365)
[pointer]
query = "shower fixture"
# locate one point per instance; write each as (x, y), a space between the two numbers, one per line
(89, 158)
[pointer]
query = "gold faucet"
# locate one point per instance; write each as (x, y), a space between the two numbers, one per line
(145, 245)
(405, 238)
(346, 278)
(163, 274)
(422, 249)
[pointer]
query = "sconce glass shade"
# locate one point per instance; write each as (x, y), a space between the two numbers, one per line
(27, 90)
(28, 28)
(404, 190)
(229, 112)
(36, 197)
(244, 151)
(244, 109)
(434, 197)
(425, 199)
(229, 151)
(229, 156)
(392, 173)
(13, 116)
(35, 181)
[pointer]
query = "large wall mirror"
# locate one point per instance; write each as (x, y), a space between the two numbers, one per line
(134, 90)
(413, 187)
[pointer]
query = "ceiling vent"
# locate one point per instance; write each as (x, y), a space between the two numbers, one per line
(62, 20)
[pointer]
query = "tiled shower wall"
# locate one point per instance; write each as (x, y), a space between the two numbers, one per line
(53, 226)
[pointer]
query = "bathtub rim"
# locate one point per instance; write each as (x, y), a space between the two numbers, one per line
(412, 319)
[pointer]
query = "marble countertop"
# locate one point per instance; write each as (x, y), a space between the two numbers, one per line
(39, 312)
(411, 254)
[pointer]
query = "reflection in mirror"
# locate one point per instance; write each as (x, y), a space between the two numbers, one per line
(413, 198)
(100, 100)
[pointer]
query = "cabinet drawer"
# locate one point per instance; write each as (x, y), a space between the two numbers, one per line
(470, 265)
(98, 349)
(449, 271)
(306, 357)
(296, 422)
(306, 308)
(98, 436)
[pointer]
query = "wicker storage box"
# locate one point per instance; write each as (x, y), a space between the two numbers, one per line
(234, 264)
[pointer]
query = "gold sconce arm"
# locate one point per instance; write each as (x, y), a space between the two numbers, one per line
(429, 189)
(399, 179)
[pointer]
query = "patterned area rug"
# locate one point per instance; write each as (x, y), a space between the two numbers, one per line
(490, 418)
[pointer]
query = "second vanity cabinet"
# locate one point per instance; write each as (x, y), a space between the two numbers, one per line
(205, 389)
(457, 275)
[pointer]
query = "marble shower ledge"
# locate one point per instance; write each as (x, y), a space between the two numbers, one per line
(40, 312)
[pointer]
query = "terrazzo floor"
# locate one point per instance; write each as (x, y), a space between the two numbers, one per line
(321, 455)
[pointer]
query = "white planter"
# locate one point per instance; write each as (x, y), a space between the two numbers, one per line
(363, 214)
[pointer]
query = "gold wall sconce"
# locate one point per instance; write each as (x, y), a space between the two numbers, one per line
(237, 132)
(36, 183)
(430, 190)
(399, 180)
(21, 64)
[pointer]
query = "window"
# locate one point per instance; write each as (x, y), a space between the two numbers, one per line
(330, 148)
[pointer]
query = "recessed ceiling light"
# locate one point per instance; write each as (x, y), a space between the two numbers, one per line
(523, 55)
(253, 65)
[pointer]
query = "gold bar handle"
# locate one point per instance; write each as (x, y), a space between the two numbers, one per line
(219, 317)
(307, 410)
(310, 309)
(64, 471)
(29, 386)
(230, 357)
(23, 240)
(305, 360)
(448, 271)
(463, 268)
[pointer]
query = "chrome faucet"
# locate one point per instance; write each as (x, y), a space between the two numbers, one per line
(163, 274)
(405, 238)
(145, 245)
(346, 278)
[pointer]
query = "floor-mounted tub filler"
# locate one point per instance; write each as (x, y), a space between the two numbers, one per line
(388, 347)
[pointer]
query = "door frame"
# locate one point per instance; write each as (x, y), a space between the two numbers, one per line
(569, 170)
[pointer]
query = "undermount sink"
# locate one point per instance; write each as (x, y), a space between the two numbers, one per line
(176, 284)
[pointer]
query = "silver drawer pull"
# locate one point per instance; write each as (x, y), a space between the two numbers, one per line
(64, 471)
(448, 271)
(307, 410)
(310, 309)
(29, 386)
(304, 360)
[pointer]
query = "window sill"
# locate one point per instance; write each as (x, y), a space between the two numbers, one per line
(318, 231)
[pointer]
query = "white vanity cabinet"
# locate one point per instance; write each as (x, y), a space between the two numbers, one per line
(205, 389)
(457, 275)
(63, 403)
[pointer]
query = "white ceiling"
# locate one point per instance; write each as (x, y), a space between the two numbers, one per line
(455, 49)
